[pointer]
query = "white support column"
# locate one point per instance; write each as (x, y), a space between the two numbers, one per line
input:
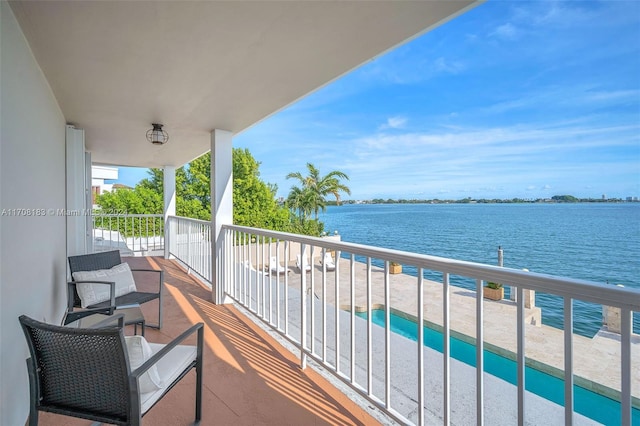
(88, 194)
(169, 185)
(76, 201)
(221, 206)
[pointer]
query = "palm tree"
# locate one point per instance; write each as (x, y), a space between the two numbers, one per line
(300, 200)
(311, 195)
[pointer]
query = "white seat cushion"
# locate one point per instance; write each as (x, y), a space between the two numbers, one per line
(93, 293)
(169, 368)
(140, 351)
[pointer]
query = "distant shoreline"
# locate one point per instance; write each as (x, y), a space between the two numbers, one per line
(554, 200)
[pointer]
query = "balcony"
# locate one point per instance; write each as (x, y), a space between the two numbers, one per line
(249, 378)
(260, 344)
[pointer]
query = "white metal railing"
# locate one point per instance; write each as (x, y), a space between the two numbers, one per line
(190, 242)
(129, 233)
(311, 310)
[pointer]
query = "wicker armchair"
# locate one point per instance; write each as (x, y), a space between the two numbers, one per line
(107, 260)
(86, 373)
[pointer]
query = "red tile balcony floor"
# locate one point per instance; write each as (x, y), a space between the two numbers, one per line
(249, 378)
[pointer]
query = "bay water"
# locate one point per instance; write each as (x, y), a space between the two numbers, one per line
(592, 241)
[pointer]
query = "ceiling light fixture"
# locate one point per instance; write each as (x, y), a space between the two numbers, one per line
(157, 136)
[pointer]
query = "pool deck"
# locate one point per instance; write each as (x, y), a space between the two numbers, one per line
(596, 360)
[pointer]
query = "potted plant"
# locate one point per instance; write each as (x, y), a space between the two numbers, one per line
(395, 268)
(493, 291)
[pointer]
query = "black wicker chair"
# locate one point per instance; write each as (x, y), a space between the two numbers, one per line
(86, 372)
(107, 260)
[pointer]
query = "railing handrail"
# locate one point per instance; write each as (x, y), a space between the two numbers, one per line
(186, 243)
(589, 291)
(188, 219)
(98, 214)
(129, 233)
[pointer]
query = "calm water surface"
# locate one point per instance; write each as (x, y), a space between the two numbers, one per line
(594, 241)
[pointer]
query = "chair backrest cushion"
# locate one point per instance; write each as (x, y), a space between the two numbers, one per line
(92, 262)
(91, 294)
(82, 370)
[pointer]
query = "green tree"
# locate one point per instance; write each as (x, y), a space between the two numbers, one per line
(565, 198)
(301, 200)
(254, 202)
(311, 195)
(192, 187)
(139, 200)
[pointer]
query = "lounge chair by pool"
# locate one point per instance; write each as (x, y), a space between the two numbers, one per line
(276, 268)
(328, 262)
(304, 264)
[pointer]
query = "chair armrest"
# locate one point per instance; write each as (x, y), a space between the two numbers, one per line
(71, 300)
(199, 327)
(159, 271)
(72, 316)
(112, 292)
(107, 321)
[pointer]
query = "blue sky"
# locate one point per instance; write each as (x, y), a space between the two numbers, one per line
(511, 99)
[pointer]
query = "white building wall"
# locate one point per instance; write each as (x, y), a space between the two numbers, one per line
(101, 173)
(32, 176)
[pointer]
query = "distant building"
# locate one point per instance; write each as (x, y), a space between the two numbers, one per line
(604, 196)
(98, 176)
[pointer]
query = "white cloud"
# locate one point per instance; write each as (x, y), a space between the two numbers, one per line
(448, 66)
(396, 122)
(601, 96)
(483, 161)
(505, 31)
(574, 97)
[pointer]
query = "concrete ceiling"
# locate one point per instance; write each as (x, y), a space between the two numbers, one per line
(115, 67)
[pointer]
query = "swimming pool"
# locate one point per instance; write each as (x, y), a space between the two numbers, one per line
(590, 404)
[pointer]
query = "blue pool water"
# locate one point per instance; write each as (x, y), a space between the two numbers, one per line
(587, 403)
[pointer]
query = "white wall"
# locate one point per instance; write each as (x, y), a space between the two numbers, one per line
(104, 172)
(32, 175)
(101, 173)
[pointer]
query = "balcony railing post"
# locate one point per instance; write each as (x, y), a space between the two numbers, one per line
(312, 296)
(520, 353)
(479, 355)
(369, 332)
(337, 312)
(568, 361)
(387, 338)
(420, 347)
(625, 366)
(445, 350)
(352, 313)
(324, 307)
(303, 315)
(167, 237)
(286, 290)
